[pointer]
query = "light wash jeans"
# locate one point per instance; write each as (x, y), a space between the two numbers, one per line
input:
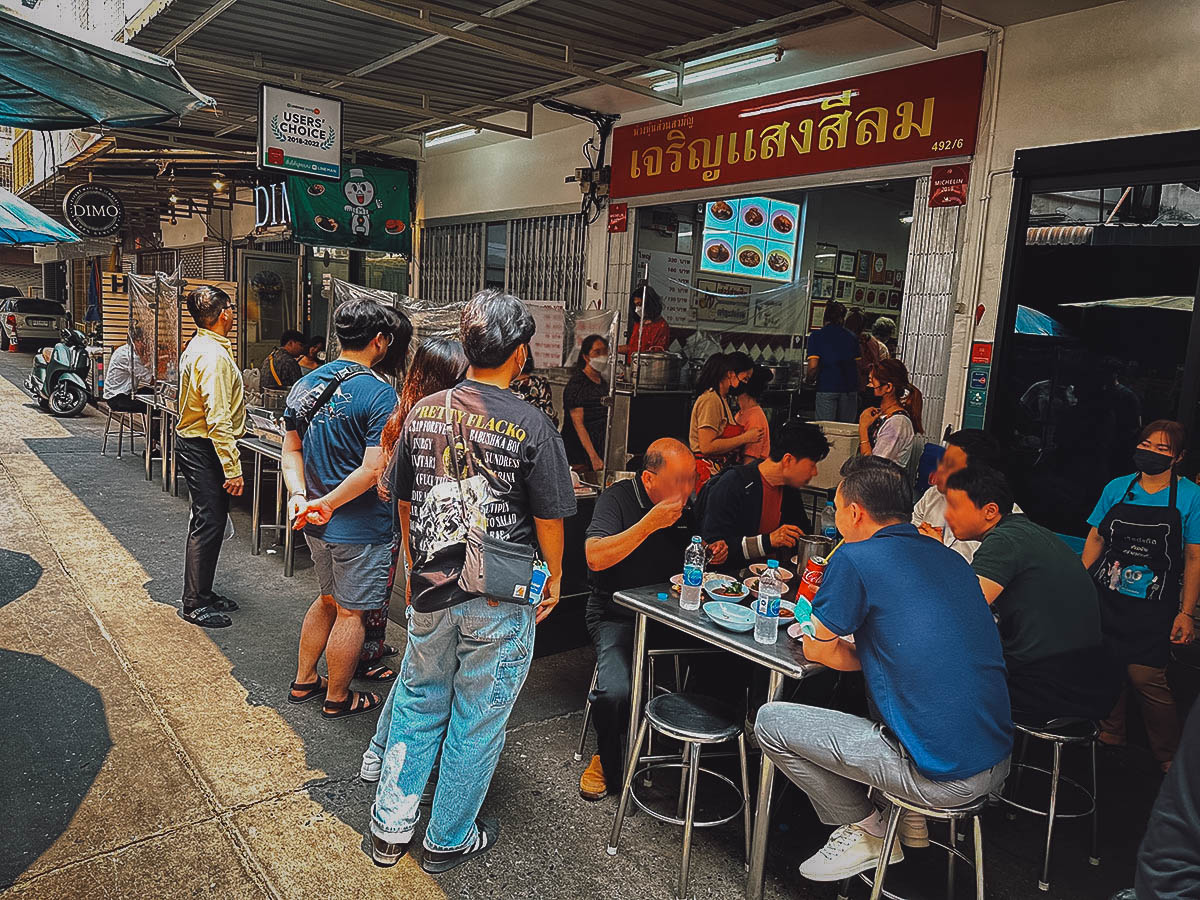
(835, 757)
(462, 670)
(837, 407)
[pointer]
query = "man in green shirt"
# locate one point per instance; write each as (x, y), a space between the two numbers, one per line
(1043, 599)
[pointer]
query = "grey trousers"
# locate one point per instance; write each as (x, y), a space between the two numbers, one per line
(835, 758)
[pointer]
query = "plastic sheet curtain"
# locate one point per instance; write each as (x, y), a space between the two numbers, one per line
(927, 310)
(451, 261)
(547, 259)
(154, 310)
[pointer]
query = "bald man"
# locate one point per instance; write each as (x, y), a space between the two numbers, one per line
(637, 537)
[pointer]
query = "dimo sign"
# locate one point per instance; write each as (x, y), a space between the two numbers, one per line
(93, 210)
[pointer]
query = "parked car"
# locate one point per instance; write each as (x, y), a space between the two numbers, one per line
(31, 322)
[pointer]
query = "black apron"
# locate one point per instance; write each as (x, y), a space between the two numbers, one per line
(1138, 578)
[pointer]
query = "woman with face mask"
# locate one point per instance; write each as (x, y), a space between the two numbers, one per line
(585, 423)
(1144, 555)
(533, 388)
(651, 333)
(888, 430)
(714, 434)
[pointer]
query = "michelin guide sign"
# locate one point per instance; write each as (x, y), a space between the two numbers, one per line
(299, 133)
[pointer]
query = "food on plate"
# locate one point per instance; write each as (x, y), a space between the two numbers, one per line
(753, 216)
(325, 223)
(721, 210)
(393, 226)
(783, 224)
(778, 261)
(717, 252)
(727, 589)
(749, 257)
(316, 189)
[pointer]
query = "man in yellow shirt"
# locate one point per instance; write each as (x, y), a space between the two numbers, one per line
(212, 416)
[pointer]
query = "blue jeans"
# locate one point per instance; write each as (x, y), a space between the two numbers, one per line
(462, 670)
(837, 407)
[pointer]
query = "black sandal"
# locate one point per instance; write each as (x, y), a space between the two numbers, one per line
(357, 702)
(311, 689)
(379, 674)
(388, 650)
(205, 617)
(222, 604)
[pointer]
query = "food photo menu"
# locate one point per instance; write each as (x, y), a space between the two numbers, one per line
(754, 237)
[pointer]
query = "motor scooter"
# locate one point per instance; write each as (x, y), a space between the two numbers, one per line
(59, 380)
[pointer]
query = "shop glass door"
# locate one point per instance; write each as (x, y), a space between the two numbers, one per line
(1104, 286)
(268, 284)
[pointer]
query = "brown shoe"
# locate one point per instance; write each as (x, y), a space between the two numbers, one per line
(591, 784)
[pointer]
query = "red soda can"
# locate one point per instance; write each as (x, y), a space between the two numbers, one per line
(810, 581)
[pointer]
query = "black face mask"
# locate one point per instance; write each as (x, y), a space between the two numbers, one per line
(1151, 463)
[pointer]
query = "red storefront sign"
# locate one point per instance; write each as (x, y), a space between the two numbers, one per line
(948, 186)
(926, 111)
(981, 353)
(618, 217)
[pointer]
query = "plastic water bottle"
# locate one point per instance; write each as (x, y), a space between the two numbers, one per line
(829, 522)
(693, 575)
(766, 608)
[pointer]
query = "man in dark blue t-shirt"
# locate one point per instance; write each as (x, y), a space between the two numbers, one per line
(833, 362)
(331, 462)
(925, 641)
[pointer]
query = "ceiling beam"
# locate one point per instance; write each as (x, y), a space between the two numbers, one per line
(199, 22)
(423, 23)
(929, 37)
(737, 34)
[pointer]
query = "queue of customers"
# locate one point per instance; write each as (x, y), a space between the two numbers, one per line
(1005, 622)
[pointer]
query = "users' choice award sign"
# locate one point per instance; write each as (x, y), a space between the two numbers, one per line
(299, 133)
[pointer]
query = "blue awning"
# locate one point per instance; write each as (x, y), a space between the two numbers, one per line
(1032, 321)
(21, 223)
(51, 80)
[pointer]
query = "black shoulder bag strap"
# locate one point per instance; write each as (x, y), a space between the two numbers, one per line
(327, 394)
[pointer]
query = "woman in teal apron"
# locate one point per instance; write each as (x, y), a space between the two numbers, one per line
(1143, 553)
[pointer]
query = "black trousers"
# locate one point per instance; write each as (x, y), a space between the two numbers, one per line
(126, 403)
(210, 505)
(612, 635)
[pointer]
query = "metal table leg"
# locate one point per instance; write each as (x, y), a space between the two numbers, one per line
(255, 508)
(163, 446)
(638, 679)
(762, 815)
(147, 451)
(174, 476)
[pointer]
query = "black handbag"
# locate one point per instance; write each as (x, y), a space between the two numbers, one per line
(493, 567)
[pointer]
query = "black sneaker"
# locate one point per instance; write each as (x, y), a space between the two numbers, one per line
(435, 862)
(385, 854)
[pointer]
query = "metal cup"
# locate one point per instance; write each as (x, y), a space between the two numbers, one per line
(808, 546)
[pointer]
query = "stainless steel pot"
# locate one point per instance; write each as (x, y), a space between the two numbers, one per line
(653, 370)
(781, 376)
(809, 546)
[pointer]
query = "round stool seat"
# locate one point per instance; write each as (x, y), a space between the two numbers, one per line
(694, 718)
(1065, 730)
(974, 808)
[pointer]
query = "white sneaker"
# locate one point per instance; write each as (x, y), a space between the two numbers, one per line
(848, 851)
(914, 831)
(372, 766)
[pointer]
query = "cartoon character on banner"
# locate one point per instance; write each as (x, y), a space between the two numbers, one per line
(361, 194)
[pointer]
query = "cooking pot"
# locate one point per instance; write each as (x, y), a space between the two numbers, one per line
(781, 375)
(656, 369)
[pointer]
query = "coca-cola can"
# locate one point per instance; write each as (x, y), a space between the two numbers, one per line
(810, 580)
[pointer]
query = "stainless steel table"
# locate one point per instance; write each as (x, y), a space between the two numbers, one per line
(783, 659)
(166, 443)
(263, 450)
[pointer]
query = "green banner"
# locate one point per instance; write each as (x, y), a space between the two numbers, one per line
(368, 209)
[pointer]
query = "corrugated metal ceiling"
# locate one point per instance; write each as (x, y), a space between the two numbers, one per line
(323, 35)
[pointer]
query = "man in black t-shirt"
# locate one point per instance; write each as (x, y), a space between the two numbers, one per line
(637, 536)
(1043, 599)
(467, 656)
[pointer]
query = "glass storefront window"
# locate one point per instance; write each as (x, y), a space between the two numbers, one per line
(497, 255)
(386, 271)
(270, 302)
(324, 264)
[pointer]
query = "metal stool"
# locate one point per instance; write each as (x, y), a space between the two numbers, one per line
(951, 815)
(124, 419)
(695, 721)
(1058, 732)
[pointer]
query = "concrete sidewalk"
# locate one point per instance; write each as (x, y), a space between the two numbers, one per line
(146, 758)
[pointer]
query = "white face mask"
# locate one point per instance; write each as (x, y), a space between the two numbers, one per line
(598, 363)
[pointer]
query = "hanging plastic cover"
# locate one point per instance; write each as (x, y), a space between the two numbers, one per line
(429, 318)
(154, 311)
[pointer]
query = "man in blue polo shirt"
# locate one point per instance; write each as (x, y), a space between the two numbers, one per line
(925, 641)
(833, 363)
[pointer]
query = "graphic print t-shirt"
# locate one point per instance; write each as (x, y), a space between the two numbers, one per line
(513, 469)
(334, 443)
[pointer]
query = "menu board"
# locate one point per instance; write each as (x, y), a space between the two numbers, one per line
(547, 343)
(726, 302)
(752, 237)
(669, 274)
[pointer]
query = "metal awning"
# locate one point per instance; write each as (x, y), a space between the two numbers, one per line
(404, 69)
(1115, 234)
(51, 80)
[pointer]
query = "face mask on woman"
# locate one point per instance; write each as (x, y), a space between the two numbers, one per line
(598, 363)
(1151, 463)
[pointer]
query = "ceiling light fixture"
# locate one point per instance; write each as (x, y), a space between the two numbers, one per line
(446, 135)
(719, 64)
(218, 181)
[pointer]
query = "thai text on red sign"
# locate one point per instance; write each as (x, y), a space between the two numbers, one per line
(981, 353)
(926, 111)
